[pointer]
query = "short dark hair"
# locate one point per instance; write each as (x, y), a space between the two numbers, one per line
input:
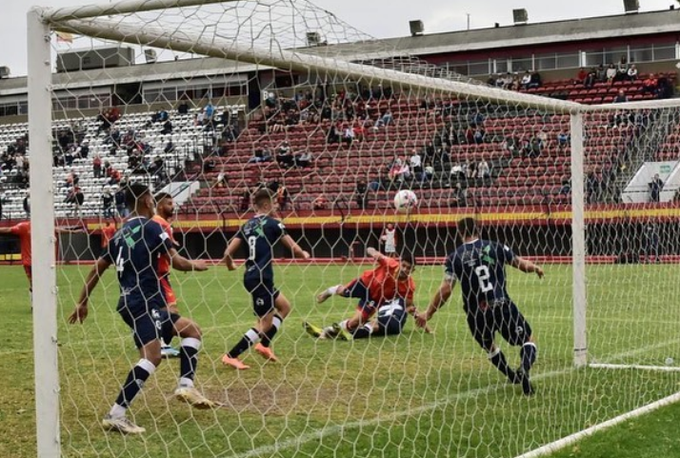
(262, 195)
(162, 195)
(467, 227)
(408, 257)
(134, 192)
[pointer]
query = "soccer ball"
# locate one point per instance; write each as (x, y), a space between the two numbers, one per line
(405, 201)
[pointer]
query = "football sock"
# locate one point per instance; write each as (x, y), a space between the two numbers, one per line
(188, 354)
(528, 355)
(333, 290)
(363, 332)
(277, 321)
(250, 338)
(135, 381)
(497, 358)
(343, 325)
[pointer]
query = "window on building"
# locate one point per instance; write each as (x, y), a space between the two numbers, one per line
(478, 68)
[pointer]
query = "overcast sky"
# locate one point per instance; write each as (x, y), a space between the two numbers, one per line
(370, 16)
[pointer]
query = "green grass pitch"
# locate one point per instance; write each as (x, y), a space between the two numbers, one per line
(412, 395)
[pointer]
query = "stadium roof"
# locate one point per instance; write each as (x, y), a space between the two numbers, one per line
(181, 69)
(573, 30)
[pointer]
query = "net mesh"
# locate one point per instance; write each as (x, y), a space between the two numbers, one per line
(335, 148)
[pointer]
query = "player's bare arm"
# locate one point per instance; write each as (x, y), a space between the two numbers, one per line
(232, 248)
(5, 231)
(527, 266)
(375, 254)
(183, 264)
(294, 248)
(80, 313)
(438, 300)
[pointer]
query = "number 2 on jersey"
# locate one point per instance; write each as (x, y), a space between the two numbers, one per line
(252, 243)
(484, 275)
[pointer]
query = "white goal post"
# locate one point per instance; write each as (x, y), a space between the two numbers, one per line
(98, 22)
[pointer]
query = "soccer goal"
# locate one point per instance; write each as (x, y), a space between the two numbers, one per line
(208, 101)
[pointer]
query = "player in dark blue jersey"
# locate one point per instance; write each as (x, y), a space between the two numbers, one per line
(390, 321)
(135, 250)
(271, 307)
(479, 266)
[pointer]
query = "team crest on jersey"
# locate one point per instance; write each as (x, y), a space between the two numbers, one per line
(259, 301)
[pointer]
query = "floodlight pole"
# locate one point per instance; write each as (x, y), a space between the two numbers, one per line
(578, 248)
(42, 238)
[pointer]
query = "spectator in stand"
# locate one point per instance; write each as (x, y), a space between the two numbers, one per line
(83, 150)
(483, 169)
(563, 140)
(535, 81)
(282, 197)
(334, 134)
(565, 190)
(77, 198)
(97, 166)
(386, 119)
(347, 134)
(621, 97)
(601, 74)
(221, 180)
(478, 136)
(611, 73)
(622, 69)
(361, 194)
(183, 107)
(208, 112)
(167, 128)
(582, 76)
(590, 79)
(632, 73)
(428, 172)
(260, 154)
(459, 196)
(526, 80)
(655, 188)
(650, 84)
(107, 203)
(303, 160)
(284, 156)
(511, 144)
(114, 176)
(416, 163)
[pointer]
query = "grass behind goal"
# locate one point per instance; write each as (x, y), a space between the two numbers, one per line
(415, 395)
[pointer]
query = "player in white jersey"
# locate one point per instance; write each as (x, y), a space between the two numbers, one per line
(389, 239)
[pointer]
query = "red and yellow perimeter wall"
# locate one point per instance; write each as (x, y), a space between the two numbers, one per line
(537, 215)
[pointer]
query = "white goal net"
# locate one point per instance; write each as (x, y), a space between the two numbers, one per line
(210, 102)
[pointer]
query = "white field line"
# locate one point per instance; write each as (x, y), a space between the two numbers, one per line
(635, 366)
(572, 439)
(318, 434)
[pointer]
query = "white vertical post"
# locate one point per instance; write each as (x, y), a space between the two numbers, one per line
(42, 237)
(578, 238)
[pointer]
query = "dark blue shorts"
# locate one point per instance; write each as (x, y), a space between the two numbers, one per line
(264, 295)
(149, 324)
(504, 318)
(358, 290)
